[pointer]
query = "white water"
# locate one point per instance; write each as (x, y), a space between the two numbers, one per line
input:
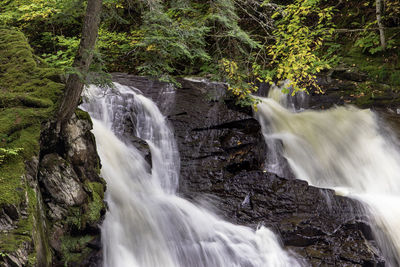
(147, 225)
(342, 148)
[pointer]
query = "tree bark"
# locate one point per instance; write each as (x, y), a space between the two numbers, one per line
(380, 24)
(82, 61)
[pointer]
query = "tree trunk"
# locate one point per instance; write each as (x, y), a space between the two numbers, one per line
(83, 59)
(380, 24)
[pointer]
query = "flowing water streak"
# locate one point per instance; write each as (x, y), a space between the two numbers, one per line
(342, 148)
(147, 225)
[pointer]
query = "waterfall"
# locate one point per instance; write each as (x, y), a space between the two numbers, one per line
(344, 149)
(147, 225)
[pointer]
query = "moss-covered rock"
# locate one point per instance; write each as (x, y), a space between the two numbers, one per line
(43, 220)
(73, 192)
(27, 97)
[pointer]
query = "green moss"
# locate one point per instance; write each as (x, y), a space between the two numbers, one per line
(32, 260)
(395, 77)
(379, 68)
(74, 249)
(82, 115)
(79, 217)
(11, 184)
(28, 94)
(27, 97)
(96, 204)
(74, 218)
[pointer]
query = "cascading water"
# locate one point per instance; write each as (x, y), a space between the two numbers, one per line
(147, 224)
(344, 149)
(275, 162)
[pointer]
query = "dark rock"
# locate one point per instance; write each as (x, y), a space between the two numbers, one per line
(309, 220)
(9, 216)
(222, 156)
(80, 148)
(341, 87)
(348, 74)
(143, 148)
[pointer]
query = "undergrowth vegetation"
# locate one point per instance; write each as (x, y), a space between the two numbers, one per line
(240, 42)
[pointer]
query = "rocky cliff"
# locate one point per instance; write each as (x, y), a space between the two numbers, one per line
(51, 195)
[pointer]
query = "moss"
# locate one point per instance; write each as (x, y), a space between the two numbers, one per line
(380, 68)
(32, 260)
(82, 115)
(79, 217)
(74, 249)
(96, 204)
(35, 225)
(395, 78)
(74, 218)
(27, 97)
(11, 185)
(28, 94)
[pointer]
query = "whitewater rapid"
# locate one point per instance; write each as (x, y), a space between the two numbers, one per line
(146, 224)
(342, 148)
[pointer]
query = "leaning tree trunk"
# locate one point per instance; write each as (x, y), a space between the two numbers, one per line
(380, 24)
(83, 59)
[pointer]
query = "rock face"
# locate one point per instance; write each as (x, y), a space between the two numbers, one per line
(72, 193)
(315, 223)
(51, 195)
(222, 156)
(60, 181)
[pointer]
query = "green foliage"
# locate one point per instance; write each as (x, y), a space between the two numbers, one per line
(268, 41)
(229, 39)
(186, 38)
(301, 29)
(368, 41)
(118, 48)
(173, 41)
(8, 152)
(64, 57)
(238, 85)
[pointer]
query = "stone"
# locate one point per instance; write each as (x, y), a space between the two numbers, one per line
(143, 148)
(60, 181)
(72, 190)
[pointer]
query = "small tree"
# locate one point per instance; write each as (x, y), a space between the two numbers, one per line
(82, 61)
(380, 24)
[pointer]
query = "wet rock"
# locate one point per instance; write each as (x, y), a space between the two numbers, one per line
(143, 148)
(309, 220)
(222, 158)
(9, 216)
